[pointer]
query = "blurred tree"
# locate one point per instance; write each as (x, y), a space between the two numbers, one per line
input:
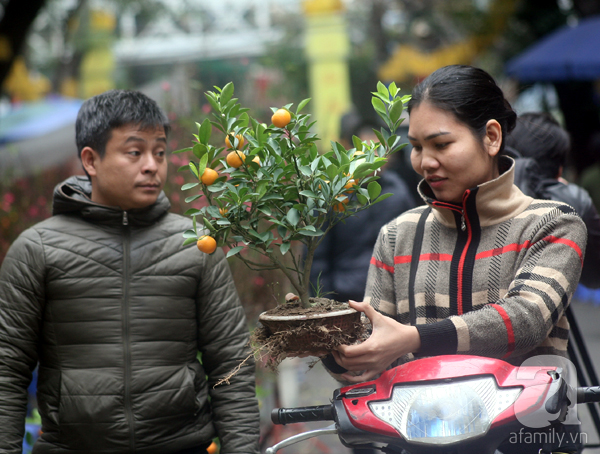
(17, 17)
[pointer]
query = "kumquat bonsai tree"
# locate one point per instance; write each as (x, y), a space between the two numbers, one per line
(269, 189)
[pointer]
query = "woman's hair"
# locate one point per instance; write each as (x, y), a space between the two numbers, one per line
(470, 94)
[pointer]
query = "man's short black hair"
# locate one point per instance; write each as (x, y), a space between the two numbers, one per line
(539, 136)
(99, 115)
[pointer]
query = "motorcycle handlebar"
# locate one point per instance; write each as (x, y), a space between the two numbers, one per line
(302, 414)
(588, 394)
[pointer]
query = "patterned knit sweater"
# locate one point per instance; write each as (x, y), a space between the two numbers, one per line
(495, 274)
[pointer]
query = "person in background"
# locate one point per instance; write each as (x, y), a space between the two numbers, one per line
(590, 177)
(481, 269)
(117, 312)
(540, 137)
(341, 261)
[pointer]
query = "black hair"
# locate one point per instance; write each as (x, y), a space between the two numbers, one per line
(539, 136)
(470, 94)
(99, 115)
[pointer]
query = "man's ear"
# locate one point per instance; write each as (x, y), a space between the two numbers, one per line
(493, 137)
(90, 159)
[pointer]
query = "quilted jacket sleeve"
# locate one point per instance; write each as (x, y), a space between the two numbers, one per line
(223, 341)
(21, 305)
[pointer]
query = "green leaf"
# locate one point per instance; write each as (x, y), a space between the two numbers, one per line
(204, 132)
(199, 150)
(212, 101)
(393, 89)
(284, 247)
(202, 165)
(187, 186)
(396, 111)
(382, 90)
(374, 190)
(208, 225)
(383, 197)
(189, 241)
(306, 171)
(307, 193)
(226, 93)
(190, 234)
(332, 171)
(306, 232)
(234, 251)
(244, 119)
(302, 105)
(194, 169)
(293, 216)
(183, 150)
(192, 212)
(192, 198)
(362, 199)
(266, 210)
(379, 106)
(358, 144)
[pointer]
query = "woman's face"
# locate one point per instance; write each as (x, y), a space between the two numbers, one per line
(447, 153)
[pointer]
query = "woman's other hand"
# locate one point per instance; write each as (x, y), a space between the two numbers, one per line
(388, 341)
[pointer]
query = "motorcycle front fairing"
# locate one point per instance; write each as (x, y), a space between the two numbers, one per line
(453, 403)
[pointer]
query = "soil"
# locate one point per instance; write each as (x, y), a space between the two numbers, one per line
(306, 337)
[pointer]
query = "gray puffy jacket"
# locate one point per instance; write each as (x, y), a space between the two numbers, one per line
(115, 311)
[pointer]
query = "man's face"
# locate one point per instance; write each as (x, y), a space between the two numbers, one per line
(133, 170)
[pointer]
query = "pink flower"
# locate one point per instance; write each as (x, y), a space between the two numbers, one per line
(259, 281)
(9, 198)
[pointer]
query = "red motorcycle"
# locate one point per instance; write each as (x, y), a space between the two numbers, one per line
(448, 405)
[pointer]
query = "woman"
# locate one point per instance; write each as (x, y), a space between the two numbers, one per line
(496, 269)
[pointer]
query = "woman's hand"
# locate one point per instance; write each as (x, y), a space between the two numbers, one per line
(388, 341)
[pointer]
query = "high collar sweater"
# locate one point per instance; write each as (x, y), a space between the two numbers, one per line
(495, 273)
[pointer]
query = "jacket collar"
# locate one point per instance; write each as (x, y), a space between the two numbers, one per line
(495, 201)
(73, 196)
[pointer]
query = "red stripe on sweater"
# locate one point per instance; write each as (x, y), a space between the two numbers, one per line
(527, 244)
(570, 243)
(502, 250)
(509, 329)
(383, 266)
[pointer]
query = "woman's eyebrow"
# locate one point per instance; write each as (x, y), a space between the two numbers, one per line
(430, 136)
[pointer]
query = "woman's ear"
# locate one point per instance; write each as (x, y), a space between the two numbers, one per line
(89, 160)
(493, 137)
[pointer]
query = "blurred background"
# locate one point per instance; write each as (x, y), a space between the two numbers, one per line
(56, 53)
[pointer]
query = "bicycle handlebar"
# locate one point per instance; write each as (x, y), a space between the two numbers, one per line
(302, 414)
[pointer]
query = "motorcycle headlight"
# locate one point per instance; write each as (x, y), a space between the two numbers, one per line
(445, 413)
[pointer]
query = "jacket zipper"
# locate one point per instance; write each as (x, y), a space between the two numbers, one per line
(125, 326)
(465, 225)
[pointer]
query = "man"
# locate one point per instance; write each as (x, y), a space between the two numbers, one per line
(538, 136)
(115, 310)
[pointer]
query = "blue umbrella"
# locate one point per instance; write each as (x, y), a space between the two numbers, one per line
(570, 53)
